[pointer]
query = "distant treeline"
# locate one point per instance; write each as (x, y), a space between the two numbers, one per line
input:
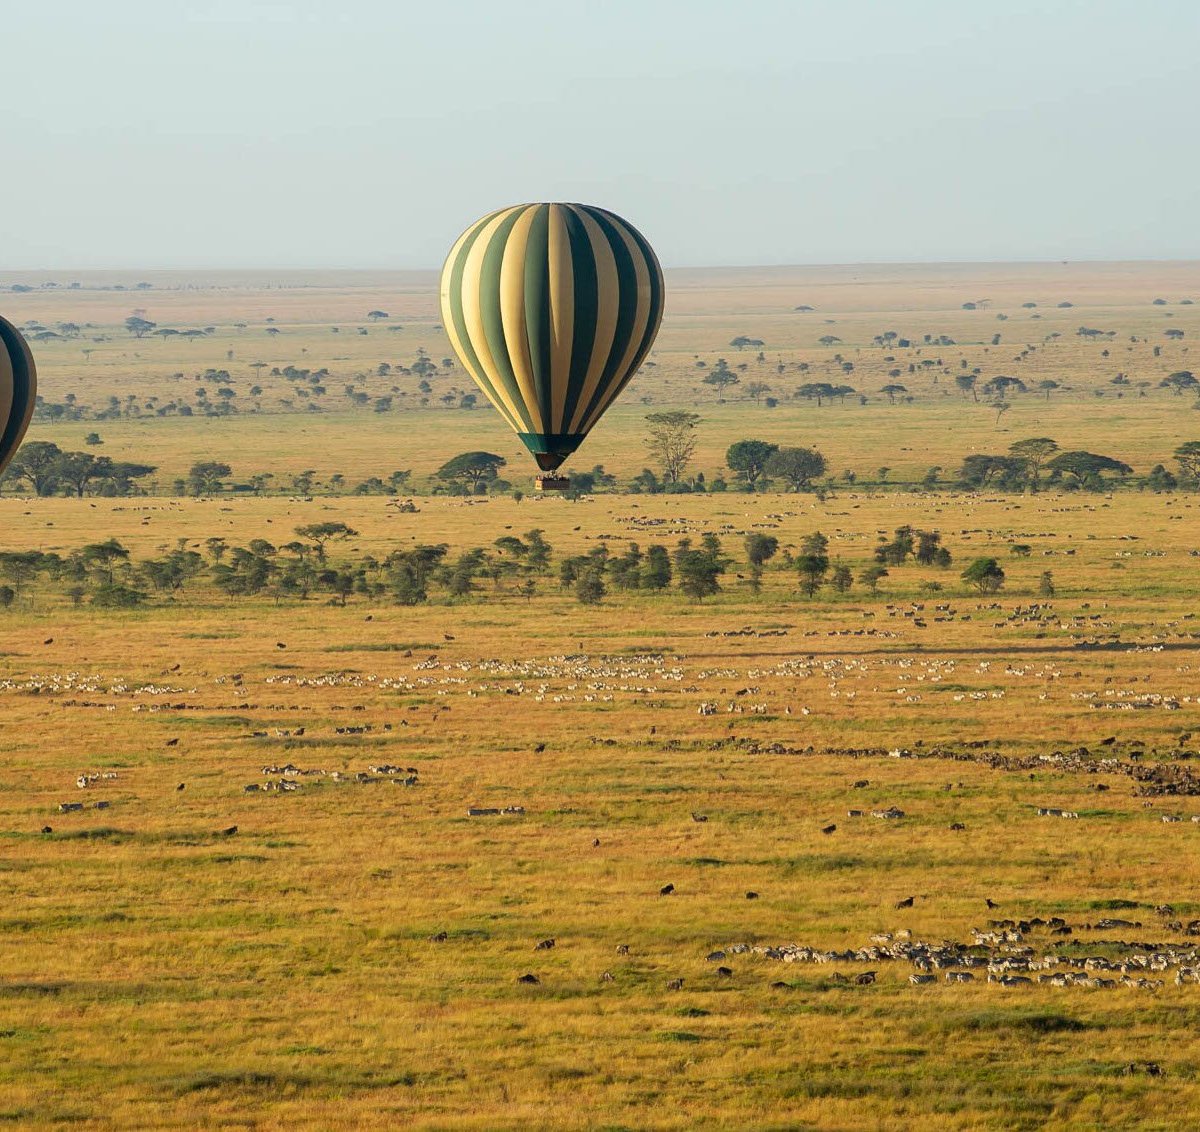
(1035, 464)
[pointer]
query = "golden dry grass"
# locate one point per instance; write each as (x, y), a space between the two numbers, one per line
(156, 973)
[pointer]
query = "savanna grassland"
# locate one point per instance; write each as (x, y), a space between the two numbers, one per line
(344, 951)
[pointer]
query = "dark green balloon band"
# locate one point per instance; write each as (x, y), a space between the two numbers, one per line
(24, 391)
(550, 449)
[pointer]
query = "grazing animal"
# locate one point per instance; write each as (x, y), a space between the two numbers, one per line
(827, 829)
(725, 972)
(751, 895)
(957, 825)
(780, 985)
(539, 748)
(666, 890)
(865, 979)
(172, 743)
(229, 832)
(181, 786)
(675, 984)
(545, 945)
(280, 645)
(607, 977)
(47, 829)
(529, 980)
(862, 783)
(699, 817)
(907, 902)
(622, 949)
(438, 937)
(48, 641)
(990, 902)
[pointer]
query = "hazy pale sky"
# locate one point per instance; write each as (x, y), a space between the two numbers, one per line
(368, 133)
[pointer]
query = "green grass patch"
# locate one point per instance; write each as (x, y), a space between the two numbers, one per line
(1019, 1020)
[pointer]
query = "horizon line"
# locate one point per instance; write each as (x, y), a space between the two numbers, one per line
(1020, 262)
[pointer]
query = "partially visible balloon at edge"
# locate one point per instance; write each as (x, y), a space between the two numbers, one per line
(552, 308)
(18, 390)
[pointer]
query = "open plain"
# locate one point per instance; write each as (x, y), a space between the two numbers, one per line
(723, 836)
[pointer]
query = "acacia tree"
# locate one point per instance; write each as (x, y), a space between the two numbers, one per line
(749, 458)
(720, 377)
(760, 548)
(139, 327)
(671, 441)
(1187, 456)
(474, 468)
(205, 476)
(980, 470)
(78, 469)
(871, 576)
(1179, 381)
(699, 570)
(36, 463)
(1035, 452)
(797, 466)
(985, 574)
(1086, 468)
(966, 384)
(820, 390)
(320, 533)
(812, 569)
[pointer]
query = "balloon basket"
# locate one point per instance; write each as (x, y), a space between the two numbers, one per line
(553, 483)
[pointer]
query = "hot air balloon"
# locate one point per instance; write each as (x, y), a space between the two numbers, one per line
(18, 389)
(552, 308)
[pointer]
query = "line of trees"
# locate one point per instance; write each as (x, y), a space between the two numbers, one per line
(48, 470)
(753, 465)
(1037, 462)
(105, 575)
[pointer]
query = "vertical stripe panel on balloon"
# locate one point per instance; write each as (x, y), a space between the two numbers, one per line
(492, 318)
(561, 293)
(657, 290)
(23, 383)
(608, 298)
(627, 332)
(583, 285)
(535, 291)
(472, 284)
(657, 293)
(7, 390)
(514, 324)
(455, 320)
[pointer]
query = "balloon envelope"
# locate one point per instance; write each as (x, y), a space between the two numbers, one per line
(18, 390)
(552, 308)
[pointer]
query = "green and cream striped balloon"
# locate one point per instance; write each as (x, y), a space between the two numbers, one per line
(18, 390)
(552, 308)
